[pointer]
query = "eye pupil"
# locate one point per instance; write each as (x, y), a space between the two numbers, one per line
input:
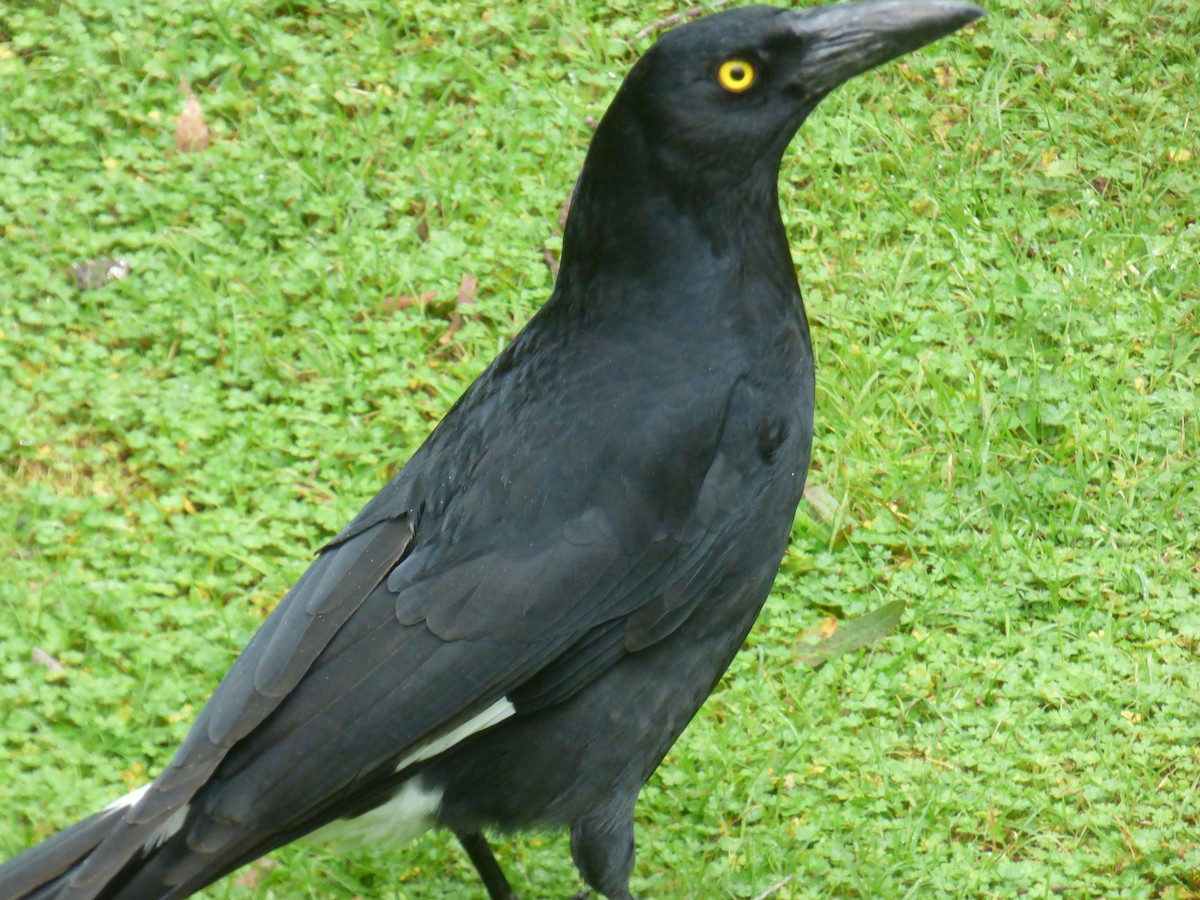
(736, 75)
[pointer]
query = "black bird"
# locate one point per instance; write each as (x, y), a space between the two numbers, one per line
(514, 631)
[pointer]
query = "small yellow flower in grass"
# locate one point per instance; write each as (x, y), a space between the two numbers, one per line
(1055, 167)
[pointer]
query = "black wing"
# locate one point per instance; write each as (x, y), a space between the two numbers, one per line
(514, 576)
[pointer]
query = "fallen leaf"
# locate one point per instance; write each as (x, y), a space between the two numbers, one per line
(852, 634)
(823, 504)
(456, 322)
(396, 304)
(466, 291)
(420, 211)
(466, 298)
(826, 510)
(191, 133)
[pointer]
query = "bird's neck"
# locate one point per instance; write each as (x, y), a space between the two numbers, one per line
(641, 216)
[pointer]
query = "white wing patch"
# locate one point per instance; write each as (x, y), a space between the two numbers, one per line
(129, 801)
(164, 831)
(493, 715)
(167, 829)
(409, 813)
(413, 809)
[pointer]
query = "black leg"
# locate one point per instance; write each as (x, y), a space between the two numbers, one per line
(485, 863)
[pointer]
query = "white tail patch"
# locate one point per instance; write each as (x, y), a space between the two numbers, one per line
(493, 715)
(409, 813)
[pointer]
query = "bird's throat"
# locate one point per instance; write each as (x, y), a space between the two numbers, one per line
(642, 217)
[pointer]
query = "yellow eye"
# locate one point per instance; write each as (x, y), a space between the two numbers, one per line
(736, 75)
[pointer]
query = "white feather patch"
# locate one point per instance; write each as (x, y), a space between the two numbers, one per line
(129, 800)
(167, 829)
(409, 813)
(493, 715)
(412, 810)
(164, 831)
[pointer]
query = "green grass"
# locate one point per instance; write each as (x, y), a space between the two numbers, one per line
(998, 245)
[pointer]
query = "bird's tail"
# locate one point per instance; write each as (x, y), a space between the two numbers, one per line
(42, 871)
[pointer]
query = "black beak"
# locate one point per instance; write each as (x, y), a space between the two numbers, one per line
(847, 39)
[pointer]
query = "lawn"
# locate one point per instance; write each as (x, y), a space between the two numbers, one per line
(999, 248)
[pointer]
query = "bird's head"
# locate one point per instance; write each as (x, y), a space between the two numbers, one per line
(735, 86)
(688, 154)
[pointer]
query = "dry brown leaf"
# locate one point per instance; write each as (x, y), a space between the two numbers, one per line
(466, 291)
(456, 322)
(823, 504)
(191, 133)
(396, 304)
(466, 298)
(825, 508)
(420, 211)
